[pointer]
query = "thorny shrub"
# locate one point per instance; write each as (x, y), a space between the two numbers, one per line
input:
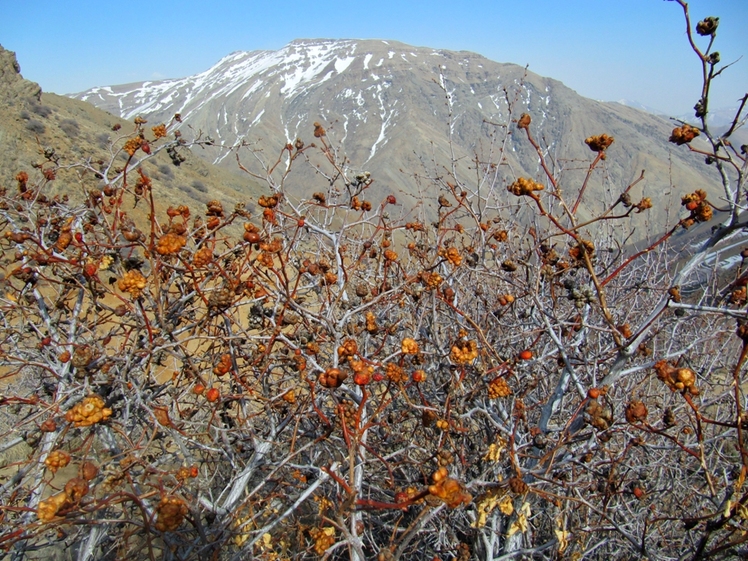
(337, 377)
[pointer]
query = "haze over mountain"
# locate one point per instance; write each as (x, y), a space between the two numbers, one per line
(719, 119)
(394, 108)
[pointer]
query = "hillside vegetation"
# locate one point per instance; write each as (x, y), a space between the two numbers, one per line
(316, 370)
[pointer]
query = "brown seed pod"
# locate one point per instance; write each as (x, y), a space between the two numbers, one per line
(332, 378)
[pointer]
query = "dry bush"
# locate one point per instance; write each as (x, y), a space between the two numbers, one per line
(337, 377)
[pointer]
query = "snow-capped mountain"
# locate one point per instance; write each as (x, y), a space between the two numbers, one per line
(399, 111)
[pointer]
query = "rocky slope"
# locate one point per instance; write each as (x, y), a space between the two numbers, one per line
(32, 122)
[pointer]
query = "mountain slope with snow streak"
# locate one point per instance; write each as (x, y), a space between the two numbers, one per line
(401, 112)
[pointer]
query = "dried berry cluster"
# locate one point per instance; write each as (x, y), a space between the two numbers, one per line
(584, 248)
(75, 489)
(159, 131)
(395, 373)
(524, 186)
(170, 244)
(448, 490)
(431, 280)
(202, 257)
(349, 348)
(707, 26)
(88, 412)
(599, 416)
(362, 372)
(332, 378)
(133, 282)
(581, 296)
(409, 346)
(132, 145)
(683, 134)
(224, 365)
(57, 459)
(221, 298)
(599, 143)
(324, 538)
(636, 412)
(170, 513)
(701, 210)
(499, 387)
(464, 351)
(371, 323)
(677, 379)
(452, 255)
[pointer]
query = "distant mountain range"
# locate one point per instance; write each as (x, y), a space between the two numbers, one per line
(401, 112)
(718, 117)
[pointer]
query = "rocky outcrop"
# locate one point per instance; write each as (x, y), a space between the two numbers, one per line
(12, 85)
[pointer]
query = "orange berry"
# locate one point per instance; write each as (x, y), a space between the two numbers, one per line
(525, 355)
(198, 389)
(362, 377)
(213, 395)
(593, 393)
(252, 237)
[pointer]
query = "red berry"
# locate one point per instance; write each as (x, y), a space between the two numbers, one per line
(525, 355)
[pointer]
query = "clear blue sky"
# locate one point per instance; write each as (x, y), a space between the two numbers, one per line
(604, 49)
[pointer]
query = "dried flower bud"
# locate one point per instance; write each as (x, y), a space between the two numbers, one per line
(332, 378)
(707, 26)
(683, 134)
(599, 143)
(524, 186)
(636, 412)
